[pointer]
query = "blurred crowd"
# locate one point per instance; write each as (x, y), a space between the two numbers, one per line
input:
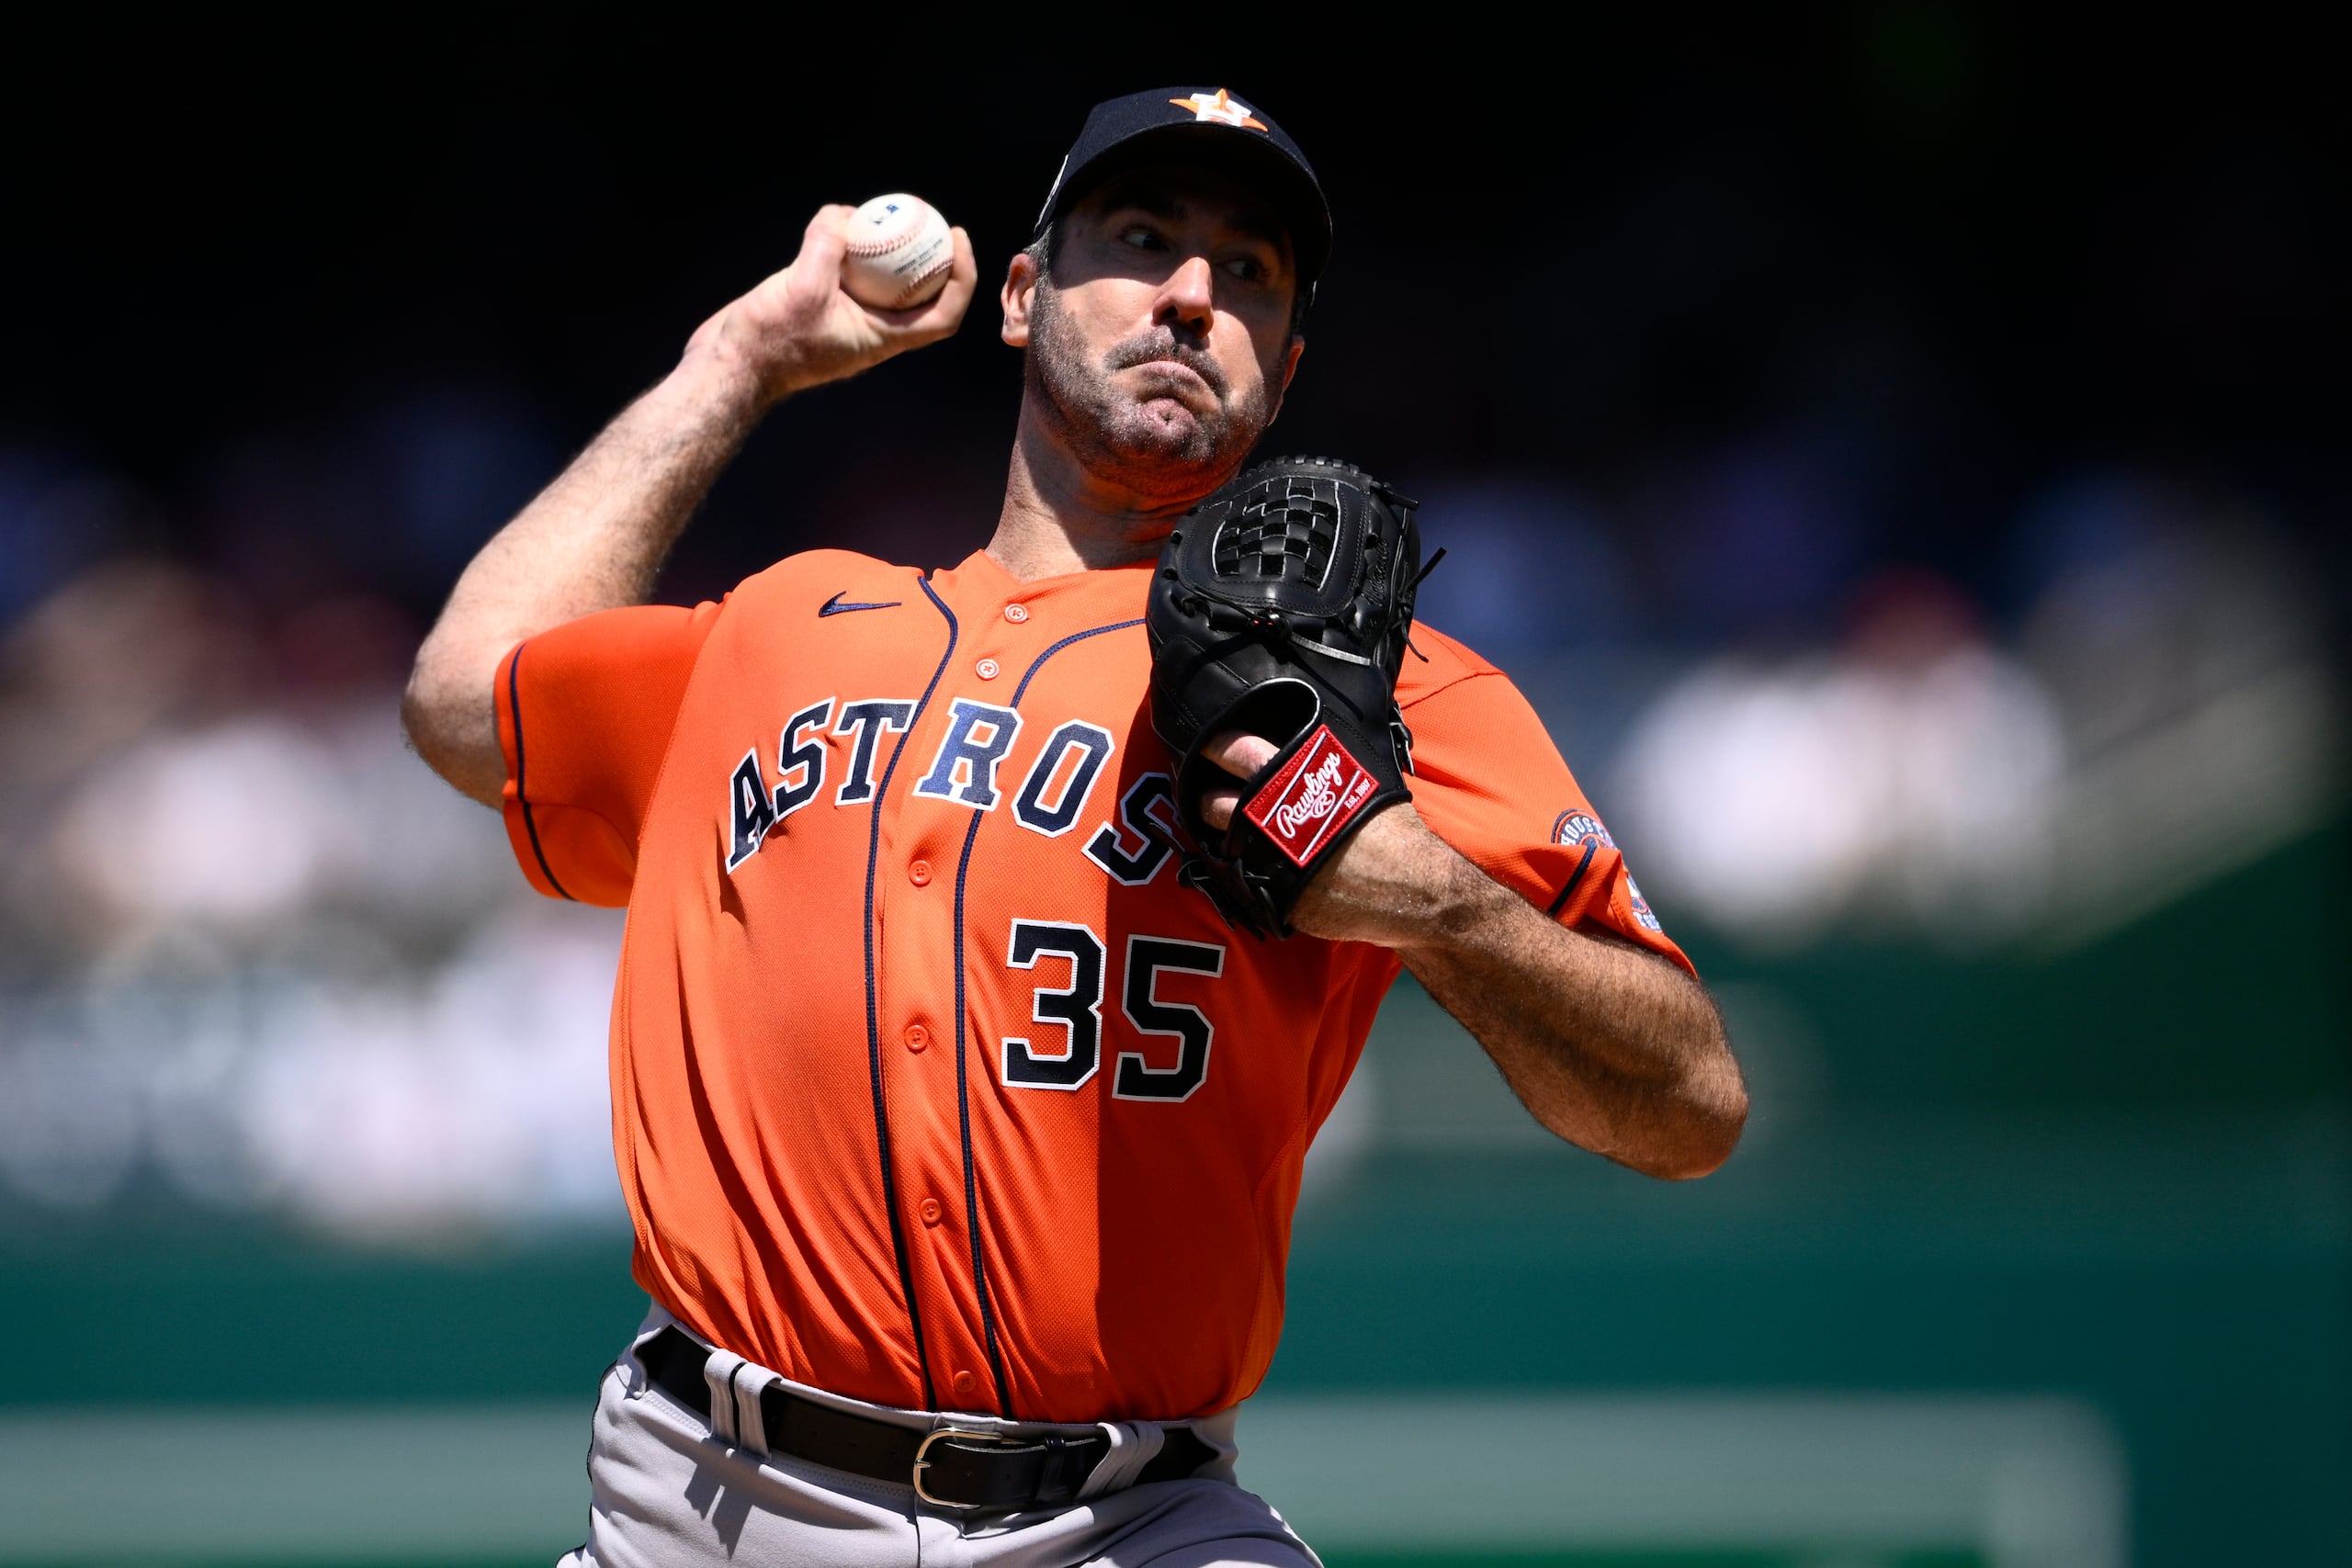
(2153, 707)
(253, 954)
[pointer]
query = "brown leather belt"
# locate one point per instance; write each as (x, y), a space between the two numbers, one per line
(948, 1466)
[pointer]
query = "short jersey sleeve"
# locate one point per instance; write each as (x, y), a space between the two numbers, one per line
(1488, 780)
(584, 717)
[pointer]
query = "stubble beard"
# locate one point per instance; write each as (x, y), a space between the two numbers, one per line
(1138, 444)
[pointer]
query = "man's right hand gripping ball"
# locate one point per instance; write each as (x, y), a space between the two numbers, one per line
(799, 328)
(1281, 609)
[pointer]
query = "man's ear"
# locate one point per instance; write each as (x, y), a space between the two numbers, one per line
(1020, 289)
(1290, 370)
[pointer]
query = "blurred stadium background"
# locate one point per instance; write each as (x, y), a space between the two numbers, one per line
(1900, 448)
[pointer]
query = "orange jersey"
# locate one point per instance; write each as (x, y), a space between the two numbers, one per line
(932, 1084)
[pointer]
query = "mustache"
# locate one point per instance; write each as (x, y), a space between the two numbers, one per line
(1145, 347)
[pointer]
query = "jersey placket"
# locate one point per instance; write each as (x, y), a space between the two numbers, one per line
(918, 981)
(957, 772)
(988, 672)
(1010, 654)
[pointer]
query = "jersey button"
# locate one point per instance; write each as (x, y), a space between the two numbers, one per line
(919, 874)
(917, 1037)
(1016, 613)
(964, 1383)
(987, 669)
(929, 1210)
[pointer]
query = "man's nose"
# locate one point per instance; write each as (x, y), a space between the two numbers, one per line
(1188, 299)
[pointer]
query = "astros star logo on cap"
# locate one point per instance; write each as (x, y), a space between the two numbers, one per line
(1221, 109)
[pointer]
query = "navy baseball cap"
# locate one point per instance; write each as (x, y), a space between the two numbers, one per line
(1210, 126)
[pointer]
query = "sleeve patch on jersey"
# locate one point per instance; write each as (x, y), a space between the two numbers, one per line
(1575, 827)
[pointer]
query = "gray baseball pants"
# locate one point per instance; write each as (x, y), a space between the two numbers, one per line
(667, 1490)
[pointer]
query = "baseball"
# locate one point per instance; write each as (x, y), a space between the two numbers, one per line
(899, 253)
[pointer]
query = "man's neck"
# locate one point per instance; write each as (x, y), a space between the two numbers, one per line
(1060, 517)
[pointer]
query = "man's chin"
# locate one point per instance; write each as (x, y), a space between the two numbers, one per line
(1164, 431)
(1178, 415)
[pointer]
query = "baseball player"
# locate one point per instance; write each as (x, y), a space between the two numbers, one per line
(960, 1129)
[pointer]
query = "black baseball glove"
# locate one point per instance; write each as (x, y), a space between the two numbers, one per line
(1281, 609)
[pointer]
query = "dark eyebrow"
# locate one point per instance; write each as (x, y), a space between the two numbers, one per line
(1262, 229)
(1149, 201)
(1154, 203)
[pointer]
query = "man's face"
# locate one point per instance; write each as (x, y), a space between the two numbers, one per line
(1162, 344)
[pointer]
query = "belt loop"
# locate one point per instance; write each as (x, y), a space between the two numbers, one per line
(720, 1373)
(1133, 1444)
(748, 1384)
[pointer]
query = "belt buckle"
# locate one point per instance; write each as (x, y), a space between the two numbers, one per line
(921, 1463)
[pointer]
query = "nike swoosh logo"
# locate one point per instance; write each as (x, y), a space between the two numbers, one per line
(833, 607)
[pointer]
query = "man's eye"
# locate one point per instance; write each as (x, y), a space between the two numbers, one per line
(1245, 270)
(1142, 239)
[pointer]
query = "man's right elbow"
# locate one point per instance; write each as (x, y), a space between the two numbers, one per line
(435, 722)
(416, 716)
(420, 721)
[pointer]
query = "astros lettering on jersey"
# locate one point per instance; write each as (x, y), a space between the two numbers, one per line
(933, 1085)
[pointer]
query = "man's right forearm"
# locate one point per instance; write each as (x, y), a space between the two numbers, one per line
(592, 540)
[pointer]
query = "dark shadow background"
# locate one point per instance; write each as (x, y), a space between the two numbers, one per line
(1962, 250)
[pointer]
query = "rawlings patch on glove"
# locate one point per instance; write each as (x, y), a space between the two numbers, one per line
(1281, 609)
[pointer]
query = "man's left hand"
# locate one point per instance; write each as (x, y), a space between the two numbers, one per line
(1389, 883)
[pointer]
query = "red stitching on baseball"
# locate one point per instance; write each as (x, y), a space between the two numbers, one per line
(906, 295)
(876, 247)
